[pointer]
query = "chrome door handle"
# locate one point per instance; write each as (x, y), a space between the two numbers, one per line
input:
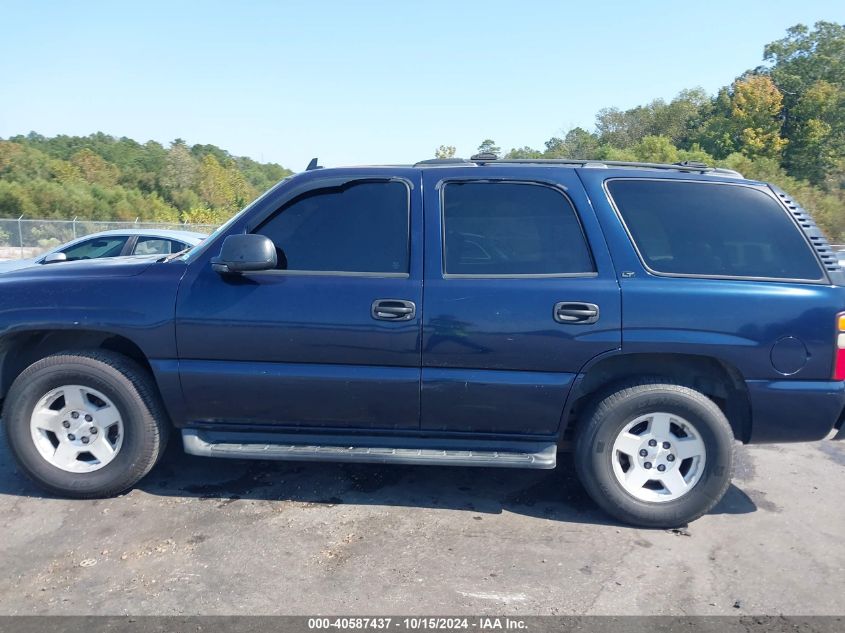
(393, 310)
(576, 313)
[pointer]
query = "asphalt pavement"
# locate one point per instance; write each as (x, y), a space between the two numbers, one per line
(203, 536)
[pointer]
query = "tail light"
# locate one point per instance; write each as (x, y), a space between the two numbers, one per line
(839, 365)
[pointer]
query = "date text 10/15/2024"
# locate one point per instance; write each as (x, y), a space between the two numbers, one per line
(418, 623)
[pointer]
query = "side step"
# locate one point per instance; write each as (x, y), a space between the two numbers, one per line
(393, 450)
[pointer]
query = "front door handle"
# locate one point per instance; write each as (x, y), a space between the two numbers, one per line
(393, 310)
(576, 313)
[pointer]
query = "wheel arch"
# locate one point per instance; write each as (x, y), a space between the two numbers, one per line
(18, 350)
(715, 378)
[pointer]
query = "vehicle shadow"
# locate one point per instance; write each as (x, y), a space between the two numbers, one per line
(554, 495)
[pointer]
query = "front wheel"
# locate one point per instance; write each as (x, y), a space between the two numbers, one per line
(85, 424)
(655, 454)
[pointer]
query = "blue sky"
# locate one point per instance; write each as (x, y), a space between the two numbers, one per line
(359, 81)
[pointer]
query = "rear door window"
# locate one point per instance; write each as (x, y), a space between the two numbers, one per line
(712, 230)
(511, 228)
(149, 245)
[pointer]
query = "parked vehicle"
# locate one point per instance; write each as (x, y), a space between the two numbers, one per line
(475, 313)
(116, 243)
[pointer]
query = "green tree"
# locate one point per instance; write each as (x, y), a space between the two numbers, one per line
(577, 143)
(676, 120)
(93, 168)
(180, 170)
(204, 215)
(214, 187)
(656, 149)
(222, 187)
(716, 131)
(756, 108)
(14, 200)
(524, 152)
(806, 56)
(445, 151)
(817, 143)
(488, 146)
(808, 66)
(621, 129)
(681, 118)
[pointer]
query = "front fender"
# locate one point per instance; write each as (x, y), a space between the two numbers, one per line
(43, 313)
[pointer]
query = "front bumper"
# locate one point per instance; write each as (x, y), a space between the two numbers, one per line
(795, 410)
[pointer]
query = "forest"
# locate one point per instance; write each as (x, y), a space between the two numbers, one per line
(100, 177)
(783, 122)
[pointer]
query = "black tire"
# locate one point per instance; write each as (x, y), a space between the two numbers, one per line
(130, 388)
(608, 415)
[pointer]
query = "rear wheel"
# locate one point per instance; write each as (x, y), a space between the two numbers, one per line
(655, 454)
(85, 424)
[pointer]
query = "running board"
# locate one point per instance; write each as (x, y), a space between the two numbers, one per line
(382, 450)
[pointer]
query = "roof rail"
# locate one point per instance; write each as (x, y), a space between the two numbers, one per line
(685, 166)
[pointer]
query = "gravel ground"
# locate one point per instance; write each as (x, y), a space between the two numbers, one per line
(201, 536)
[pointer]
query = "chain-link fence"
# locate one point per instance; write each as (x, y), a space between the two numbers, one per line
(24, 238)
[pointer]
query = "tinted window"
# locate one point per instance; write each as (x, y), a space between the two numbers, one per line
(711, 229)
(361, 227)
(493, 228)
(97, 247)
(157, 246)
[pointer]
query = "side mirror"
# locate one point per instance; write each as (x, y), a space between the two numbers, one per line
(245, 253)
(52, 258)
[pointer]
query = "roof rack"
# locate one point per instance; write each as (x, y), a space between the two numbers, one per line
(685, 166)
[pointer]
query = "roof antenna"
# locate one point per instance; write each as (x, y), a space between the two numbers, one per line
(313, 165)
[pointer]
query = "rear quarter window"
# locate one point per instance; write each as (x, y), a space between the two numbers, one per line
(712, 230)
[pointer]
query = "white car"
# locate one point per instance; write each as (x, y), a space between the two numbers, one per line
(116, 243)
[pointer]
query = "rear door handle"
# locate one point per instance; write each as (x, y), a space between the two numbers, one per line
(393, 310)
(576, 313)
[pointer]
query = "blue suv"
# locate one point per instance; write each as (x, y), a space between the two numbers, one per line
(474, 313)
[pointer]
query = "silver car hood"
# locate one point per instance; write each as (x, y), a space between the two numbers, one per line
(128, 266)
(17, 264)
